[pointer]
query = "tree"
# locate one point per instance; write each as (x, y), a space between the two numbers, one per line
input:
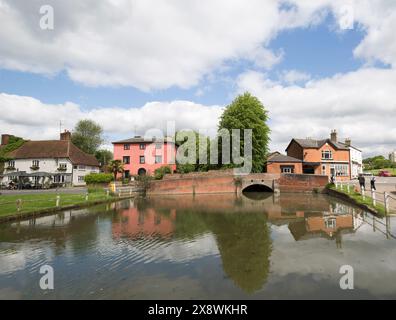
(247, 112)
(199, 144)
(104, 156)
(87, 135)
(116, 167)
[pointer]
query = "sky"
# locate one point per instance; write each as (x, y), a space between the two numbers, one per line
(135, 65)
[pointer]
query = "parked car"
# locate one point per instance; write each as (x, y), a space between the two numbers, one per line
(384, 173)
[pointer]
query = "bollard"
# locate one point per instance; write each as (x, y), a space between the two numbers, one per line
(348, 187)
(336, 184)
(119, 194)
(130, 192)
(107, 193)
(19, 205)
(373, 196)
(57, 200)
(363, 194)
(386, 202)
(86, 196)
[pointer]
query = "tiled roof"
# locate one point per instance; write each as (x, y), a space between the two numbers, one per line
(142, 139)
(282, 158)
(316, 144)
(54, 149)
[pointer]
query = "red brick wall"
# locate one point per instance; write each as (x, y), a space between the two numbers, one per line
(302, 182)
(275, 167)
(200, 183)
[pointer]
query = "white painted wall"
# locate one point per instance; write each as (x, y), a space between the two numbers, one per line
(72, 173)
(356, 162)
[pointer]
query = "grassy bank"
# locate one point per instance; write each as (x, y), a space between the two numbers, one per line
(375, 172)
(40, 202)
(356, 197)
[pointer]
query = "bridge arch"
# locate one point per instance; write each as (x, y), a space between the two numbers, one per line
(257, 188)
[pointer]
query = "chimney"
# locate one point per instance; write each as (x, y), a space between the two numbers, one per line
(333, 135)
(348, 142)
(65, 136)
(5, 139)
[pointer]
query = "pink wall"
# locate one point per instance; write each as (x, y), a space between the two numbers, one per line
(167, 151)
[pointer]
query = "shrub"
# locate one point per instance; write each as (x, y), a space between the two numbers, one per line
(160, 172)
(98, 178)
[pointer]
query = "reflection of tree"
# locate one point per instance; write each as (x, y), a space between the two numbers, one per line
(243, 241)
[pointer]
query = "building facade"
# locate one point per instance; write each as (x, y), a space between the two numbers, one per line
(392, 156)
(142, 156)
(61, 159)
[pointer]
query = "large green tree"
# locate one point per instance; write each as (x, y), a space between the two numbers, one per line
(88, 136)
(104, 156)
(247, 112)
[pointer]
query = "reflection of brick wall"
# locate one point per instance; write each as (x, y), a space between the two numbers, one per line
(301, 183)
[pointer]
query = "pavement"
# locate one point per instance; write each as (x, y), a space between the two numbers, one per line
(382, 184)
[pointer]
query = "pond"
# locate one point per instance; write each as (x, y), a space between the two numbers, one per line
(204, 247)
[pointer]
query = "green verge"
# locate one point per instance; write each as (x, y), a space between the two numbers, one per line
(376, 171)
(45, 201)
(357, 197)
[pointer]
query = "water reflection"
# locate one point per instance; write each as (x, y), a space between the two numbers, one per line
(117, 245)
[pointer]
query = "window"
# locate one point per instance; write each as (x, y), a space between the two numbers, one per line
(158, 159)
(75, 167)
(330, 223)
(60, 179)
(80, 178)
(341, 170)
(141, 159)
(327, 155)
(127, 174)
(142, 146)
(126, 160)
(158, 145)
(81, 167)
(11, 164)
(287, 169)
(324, 170)
(35, 163)
(127, 146)
(62, 166)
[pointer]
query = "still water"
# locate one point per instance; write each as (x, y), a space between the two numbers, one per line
(202, 247)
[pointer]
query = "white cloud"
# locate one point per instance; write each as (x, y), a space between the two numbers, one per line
(294, 76)
(359, 104)
(142, 43)
(32, 119)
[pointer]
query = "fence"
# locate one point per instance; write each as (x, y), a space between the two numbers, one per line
(385, 199)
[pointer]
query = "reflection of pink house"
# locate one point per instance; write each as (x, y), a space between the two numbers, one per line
(142, 156)
(133, 223)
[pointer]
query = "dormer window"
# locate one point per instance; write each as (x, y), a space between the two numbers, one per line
(142, 146)
(327, 155)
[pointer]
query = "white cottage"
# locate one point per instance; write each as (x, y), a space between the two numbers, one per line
(61, 158)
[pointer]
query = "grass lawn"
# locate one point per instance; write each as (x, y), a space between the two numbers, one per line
(380, 208)
(375, 171)
(36, 202)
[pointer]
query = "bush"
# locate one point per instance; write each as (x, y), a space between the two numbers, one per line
(98, 178)
(160, 172)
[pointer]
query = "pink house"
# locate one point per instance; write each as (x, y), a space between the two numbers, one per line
(142, 156)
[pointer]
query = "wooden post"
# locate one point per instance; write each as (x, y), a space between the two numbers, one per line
(386, 202)
(373, 196)
(57, 200)
(19, 205)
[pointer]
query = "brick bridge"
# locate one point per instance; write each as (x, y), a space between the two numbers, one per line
(226, 182)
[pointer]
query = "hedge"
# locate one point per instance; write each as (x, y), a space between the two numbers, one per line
(160, 172)
(97, 178)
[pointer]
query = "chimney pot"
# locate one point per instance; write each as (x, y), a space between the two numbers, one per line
(333, 135)
(348, 142)
(5, 139)
(65, 136)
